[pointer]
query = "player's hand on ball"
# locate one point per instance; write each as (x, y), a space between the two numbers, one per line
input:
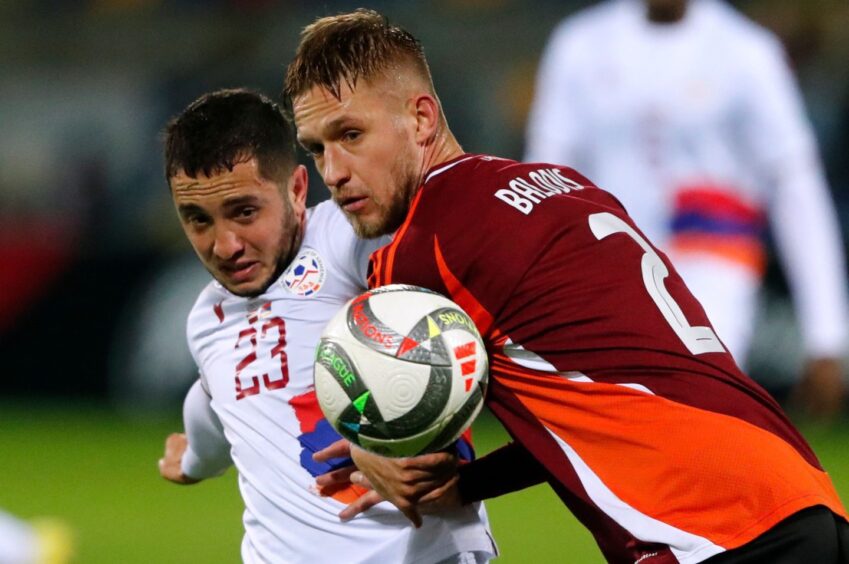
(414, 485)
(443, 498)
(169, 464)
(339, 476)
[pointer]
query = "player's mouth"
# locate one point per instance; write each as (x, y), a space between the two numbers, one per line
(352, 204)
(241, 272)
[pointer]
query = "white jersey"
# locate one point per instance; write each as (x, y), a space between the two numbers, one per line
(255, 357)
(699, 129)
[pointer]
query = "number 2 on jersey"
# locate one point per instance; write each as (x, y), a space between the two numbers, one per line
(697, 339)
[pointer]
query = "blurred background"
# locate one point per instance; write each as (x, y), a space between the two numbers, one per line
(96, 278)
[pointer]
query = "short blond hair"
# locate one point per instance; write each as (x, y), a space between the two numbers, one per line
(348, 47)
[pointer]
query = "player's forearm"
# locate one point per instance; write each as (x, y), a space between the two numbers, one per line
(508, 469)
(208, 452)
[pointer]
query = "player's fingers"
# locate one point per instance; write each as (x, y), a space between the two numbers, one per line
(335, 477)
(175, 439)
(362, 503)
(361, 480)
(168, 471)
(339, 449)
(426, 479)
(175, 444)
(433, 462)
(444, 497)
(427, 469)
(432, 496)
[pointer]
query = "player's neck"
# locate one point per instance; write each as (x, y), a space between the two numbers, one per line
(443, 148)
(669, 12)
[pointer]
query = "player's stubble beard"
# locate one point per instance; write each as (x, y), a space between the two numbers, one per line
(288, 245)
(406, 178)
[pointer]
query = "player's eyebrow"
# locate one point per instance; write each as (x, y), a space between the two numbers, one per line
(331, 129)
(186, 209)
(242, 200)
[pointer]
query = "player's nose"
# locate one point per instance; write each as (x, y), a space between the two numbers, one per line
(335, 171)
(227, 244)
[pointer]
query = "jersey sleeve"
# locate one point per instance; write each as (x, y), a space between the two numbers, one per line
(803, 218)
(208, 452)
(508, 469)
(807, 236)
(774, 124)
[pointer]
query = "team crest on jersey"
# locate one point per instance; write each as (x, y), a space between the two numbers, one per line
(305, 276)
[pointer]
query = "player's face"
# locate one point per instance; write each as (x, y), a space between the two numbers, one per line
(364, 147)
(243, 227)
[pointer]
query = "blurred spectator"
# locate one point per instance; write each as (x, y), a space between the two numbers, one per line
(45, 541)
(688, 113)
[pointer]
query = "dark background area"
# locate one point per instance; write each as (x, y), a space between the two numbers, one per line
(95, 277)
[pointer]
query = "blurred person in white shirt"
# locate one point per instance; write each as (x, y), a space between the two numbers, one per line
(688, 113)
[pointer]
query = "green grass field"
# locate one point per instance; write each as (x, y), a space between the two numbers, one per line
(97, 471)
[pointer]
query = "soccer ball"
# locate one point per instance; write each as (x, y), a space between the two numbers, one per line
(400, 371)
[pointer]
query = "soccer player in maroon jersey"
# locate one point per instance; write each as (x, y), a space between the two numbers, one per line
(604, 368)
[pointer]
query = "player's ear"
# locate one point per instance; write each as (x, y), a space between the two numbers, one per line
(427, 117)
(297, 190)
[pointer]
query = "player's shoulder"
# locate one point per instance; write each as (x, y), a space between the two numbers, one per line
(489, 173)
(212, 293)
(745, 36)
(330, 235)
(206, 313)
(573, 33)
(327, 230)
(325, 218)
(481, 185)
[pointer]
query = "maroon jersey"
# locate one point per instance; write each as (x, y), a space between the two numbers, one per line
(603, 365)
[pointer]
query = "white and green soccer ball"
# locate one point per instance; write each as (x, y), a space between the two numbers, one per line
(400, 371)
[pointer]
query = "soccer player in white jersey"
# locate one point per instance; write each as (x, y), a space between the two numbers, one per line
(687, 112)
(280, 273)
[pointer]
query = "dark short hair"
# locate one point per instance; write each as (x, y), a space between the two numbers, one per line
(226, 127)
(346, 47)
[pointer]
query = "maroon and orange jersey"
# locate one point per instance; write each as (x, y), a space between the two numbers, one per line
(603, 365)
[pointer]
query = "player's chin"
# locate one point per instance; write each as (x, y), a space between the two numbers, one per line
(369, 227)
(247, 288)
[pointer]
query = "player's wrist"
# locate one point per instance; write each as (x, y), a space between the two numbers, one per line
(194, 469)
